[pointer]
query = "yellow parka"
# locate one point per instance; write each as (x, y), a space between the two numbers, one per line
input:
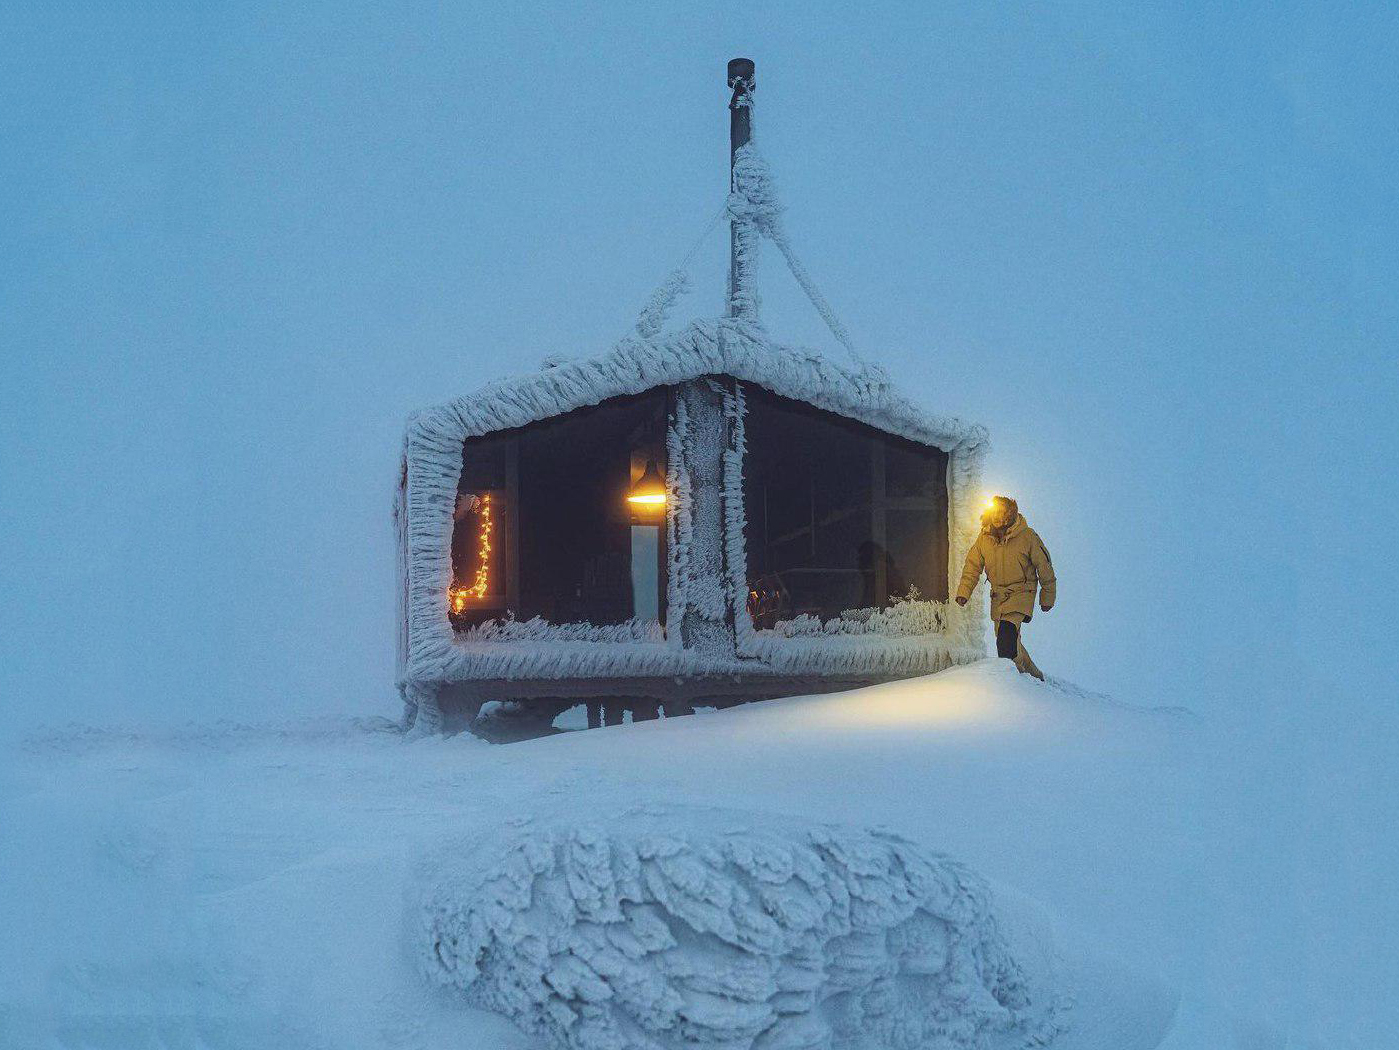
(1015, 562)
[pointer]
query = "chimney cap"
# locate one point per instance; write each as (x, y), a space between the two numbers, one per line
(741, 69)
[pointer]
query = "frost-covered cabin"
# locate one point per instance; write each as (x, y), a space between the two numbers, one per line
(697, 515)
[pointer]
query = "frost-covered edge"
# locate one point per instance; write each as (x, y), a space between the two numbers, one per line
(728, 346)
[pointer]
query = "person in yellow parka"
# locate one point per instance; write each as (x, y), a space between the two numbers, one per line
(1016, 563)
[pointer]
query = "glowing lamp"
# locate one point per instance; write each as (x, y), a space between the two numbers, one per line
(649, 489)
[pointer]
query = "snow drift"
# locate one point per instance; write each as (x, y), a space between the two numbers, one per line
(678, 927)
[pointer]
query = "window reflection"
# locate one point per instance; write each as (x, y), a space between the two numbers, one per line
(840, 515)
(545, 524)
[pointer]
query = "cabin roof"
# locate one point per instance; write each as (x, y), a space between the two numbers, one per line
(725, 346)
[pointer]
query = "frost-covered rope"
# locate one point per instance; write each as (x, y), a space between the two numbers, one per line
(754, 200)
(834, 323)
(653, 315)
(754, 204)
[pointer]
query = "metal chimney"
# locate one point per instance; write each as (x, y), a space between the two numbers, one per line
(742, 80)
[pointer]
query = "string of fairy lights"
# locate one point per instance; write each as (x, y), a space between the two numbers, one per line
(647, 497)
(480, 586)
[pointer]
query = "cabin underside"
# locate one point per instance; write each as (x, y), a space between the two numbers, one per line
(543, 700)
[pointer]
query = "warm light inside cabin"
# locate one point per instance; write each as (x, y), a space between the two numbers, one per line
(460, 597)
(649, 490)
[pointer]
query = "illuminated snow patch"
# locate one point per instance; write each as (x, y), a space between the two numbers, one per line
(670, 928)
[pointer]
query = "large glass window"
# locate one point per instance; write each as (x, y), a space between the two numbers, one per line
(840, 515)
(566, 516)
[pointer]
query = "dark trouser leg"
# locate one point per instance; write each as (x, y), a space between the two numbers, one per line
(1007, 639)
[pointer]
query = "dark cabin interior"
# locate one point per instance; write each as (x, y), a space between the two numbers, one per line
(840, 515)
(563, 532)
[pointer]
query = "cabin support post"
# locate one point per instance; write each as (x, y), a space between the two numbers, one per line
(707, 623)
(421, 703)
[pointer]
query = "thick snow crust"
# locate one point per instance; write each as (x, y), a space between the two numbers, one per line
(539, 629)
(904, 618)
(245, 887)
(670, 928)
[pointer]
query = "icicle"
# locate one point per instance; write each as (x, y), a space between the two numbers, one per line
(678, 522)
(538, 629)
(753, 207)
(754, 198)
(736, 518)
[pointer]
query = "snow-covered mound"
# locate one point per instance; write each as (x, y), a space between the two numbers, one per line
(679, 927)
(243, 887)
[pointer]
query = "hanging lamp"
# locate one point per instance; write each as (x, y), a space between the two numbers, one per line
(649, 489)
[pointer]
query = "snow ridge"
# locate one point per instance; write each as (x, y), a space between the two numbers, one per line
(904, 618)
(699, 928)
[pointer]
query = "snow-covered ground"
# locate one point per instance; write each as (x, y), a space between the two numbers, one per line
(231, 887)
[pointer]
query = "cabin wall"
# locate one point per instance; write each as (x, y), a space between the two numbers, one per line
(705, 605)
(966, 497)
(840, 515)
(872, 480)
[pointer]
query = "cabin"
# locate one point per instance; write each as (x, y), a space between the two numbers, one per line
(704, 515)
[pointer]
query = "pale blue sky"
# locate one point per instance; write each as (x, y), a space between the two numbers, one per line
(1152, 247)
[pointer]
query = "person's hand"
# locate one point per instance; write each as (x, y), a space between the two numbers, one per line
(961, 600)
